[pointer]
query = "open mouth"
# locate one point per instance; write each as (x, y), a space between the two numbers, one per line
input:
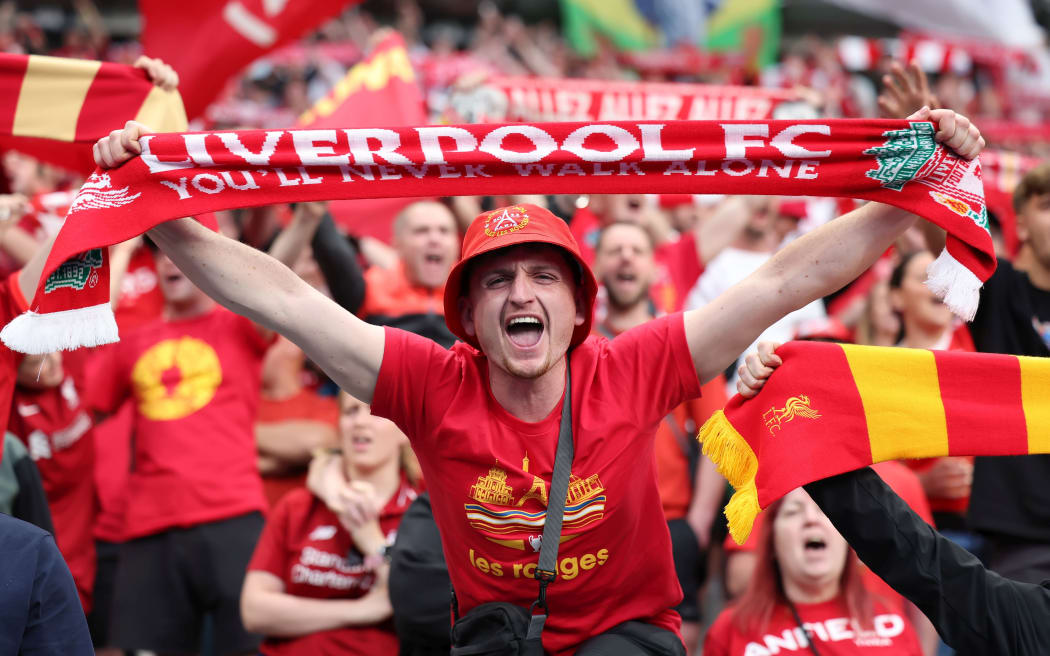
(813, 545)
(626, 276)
(361, 442)
(433, 258)
(524, 332)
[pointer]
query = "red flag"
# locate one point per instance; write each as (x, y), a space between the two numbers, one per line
(380, 91)
(208, 41)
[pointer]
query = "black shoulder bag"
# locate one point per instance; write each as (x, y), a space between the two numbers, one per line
(500, 628)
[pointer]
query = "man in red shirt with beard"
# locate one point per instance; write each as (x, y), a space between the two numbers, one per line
(483, 417)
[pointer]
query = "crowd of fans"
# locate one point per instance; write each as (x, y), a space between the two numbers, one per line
(200, 529)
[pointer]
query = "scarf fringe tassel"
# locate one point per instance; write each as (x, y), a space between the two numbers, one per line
(742, 510)
(737, 462)
(957, 285)
(35, 333)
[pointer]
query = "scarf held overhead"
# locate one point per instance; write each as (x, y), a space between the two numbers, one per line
(892, 161)
(55, 109)
(833, 408)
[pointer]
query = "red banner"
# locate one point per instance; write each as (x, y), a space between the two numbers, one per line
(380, 91)
(208, 41)
(565, 99)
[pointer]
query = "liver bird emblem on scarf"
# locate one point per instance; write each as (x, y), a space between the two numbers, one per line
(96, 194)
(796, 406)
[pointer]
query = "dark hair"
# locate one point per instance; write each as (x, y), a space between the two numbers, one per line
(897, 277)
(1034, 183)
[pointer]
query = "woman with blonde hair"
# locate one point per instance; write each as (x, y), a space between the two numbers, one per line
(317, 583)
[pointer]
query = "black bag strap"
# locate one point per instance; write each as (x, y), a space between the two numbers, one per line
(806, 632)
(547, 567)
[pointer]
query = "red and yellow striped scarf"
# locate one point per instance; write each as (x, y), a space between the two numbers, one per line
(55, 109)
(833, 408)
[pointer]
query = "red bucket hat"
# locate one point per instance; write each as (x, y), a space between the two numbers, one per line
(510, 226)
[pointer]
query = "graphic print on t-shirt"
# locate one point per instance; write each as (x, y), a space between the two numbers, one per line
(516, 521)
(175, 378)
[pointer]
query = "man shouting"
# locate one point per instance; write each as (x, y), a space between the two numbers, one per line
(483, 416)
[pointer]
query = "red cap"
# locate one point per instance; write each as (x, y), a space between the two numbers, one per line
(793, 209)
(670, 201)
(510, 226)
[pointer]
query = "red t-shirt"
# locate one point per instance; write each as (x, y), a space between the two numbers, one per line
(678, 267)
(195, 383)
(141, 301)
(306, 547)
(388, 293)
(56, 429)
(12, 304)
(112, 470)
(489, 474)
(674, 475)
(585, 228)
(829, 624)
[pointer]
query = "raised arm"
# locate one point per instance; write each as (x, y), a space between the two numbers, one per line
(337, 259)
(255, 285)
(974, 610)
(809, 268)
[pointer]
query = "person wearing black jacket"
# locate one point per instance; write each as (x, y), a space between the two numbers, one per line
(40, 610)
(975, 610)
(1010, 498)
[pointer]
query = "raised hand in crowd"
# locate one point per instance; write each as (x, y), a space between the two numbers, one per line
(904, 90)
(360, 516)
(357, 504)
(948, 478)
(160, 74)
(354, 502)
(14, 241)
(297, 234)
(756, 369)
(119, 259)
(12, 207)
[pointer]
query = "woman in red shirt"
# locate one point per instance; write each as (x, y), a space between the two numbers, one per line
(807, 583)
(316, 584)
